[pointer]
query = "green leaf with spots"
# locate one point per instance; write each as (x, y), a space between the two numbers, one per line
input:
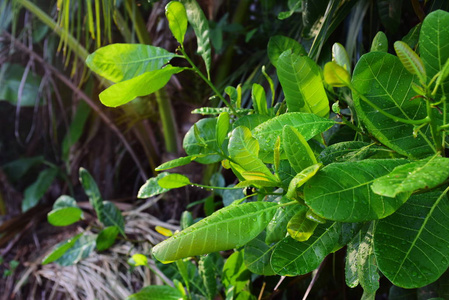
(422, 174)
(342, 191)
(206, 269)
(230, 227)
(81, 249)
(200, 25)
(60, 249)
(302, 84)
(411, 246)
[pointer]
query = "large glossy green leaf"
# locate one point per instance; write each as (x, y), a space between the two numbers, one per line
(205, 142)
(434, 43)
(200, 25)
(411, 246)
(279, 44)
(142, 85)
(308, 125)
(422, 174)
(244, 150)
(177, 20)
(277, 228)
(80, 250)
(302, 84)
(291, 257)
(37, 189)
(257, 256)
(384, 81)
(230, 227)
(157, 292)
(151, 188)
(342, 192)
(119, 62)
(298, 152)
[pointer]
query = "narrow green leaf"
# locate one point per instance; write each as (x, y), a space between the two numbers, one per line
(366, 264)
(302, 84)
(291, 258)
(301, 178)
(193, 144)
(200, 25)
(37, 189)
(341, 191)
(298, 151)
(120, 62)
(223, 124)
(279, 44)
(301, 228)
(80, 250)
(93, 193)
(76, 128)
(257, 256)
(277, 228)
(142, 85)
(151, 188)
(60, 249)
(106, 238)
(206, 269)
(157, 292)
(173, 181)
(422, 174)
(308, 125)
(340, 56)
(177, 20)
(382, 79)
(174, 163)
(230, 227)
(244, 150)
(411, 246)
(206, 111)
(410, 60)
(380, 43)
(259, 99)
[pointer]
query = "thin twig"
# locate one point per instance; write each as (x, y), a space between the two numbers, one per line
(314, 279)
(83, 96)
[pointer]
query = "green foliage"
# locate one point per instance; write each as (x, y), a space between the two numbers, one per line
(389, 172)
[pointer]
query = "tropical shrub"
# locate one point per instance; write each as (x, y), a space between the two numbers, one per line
(380, 191)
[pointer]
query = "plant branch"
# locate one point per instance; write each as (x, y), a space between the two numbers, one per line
(209, 83)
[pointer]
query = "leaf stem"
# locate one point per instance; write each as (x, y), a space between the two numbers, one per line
(209, 83)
